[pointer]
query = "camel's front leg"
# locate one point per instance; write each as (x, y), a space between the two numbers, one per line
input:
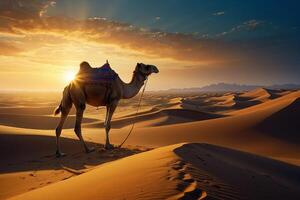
(110, 109)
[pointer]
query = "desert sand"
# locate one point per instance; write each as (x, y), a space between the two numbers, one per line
(206, 146)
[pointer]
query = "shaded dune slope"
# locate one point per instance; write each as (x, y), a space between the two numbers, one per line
(28, 160)
(40, 149)
(283, 124)
(229, 174)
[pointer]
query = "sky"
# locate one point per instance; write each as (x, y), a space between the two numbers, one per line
(192, 42)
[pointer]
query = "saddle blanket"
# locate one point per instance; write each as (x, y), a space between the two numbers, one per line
(103, 74)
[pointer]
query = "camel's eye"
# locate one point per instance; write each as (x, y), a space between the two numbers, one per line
(147, 67)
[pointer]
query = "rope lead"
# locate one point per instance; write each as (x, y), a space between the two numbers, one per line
(137, 110)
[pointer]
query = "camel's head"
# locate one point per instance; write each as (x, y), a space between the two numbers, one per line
(146, 70)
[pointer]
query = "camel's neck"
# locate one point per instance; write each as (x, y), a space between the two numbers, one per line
(131, 89)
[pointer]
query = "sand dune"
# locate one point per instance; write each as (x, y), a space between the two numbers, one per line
(189, 171)
(258, 128)
(228, 174)
(283, 124)
(260, 94)
(125, 177)
(159, 118)
(28, 160)
(27, 110)
(37, 121)
(173, 103)
(232, 101)
(46, 110)
(238, 131)
(218, 104)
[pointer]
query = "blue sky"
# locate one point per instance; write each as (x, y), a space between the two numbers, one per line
(204, 17)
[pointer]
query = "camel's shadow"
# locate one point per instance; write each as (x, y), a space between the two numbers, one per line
(21, 153)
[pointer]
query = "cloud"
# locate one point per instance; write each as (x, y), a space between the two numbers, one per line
(157, 18)
(20, 18)
(219, 13)
(24, 9)
(7, 49)
(250, 25)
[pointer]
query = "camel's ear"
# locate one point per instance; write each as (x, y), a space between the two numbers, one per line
(138, 65)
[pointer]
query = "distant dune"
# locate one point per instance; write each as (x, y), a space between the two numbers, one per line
(260, 94)
(222, 103)
(159, 118)
(233, 87)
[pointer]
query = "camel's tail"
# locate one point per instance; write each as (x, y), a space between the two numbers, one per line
(65, 102)
(57, 110)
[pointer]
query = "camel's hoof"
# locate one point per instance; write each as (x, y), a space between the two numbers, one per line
(89, 150)
(109, 146)
(60, 154)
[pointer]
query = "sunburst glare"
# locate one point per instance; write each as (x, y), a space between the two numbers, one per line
(69, 75)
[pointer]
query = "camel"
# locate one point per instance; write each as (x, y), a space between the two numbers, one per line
(80, 93)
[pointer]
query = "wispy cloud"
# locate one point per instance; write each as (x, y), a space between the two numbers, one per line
(219, 13)
(24, 9)
(250, 25)
(8, 49)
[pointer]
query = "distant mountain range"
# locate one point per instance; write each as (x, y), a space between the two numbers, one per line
(232, 87)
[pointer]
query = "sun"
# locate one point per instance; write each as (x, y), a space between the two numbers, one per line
(69, 75)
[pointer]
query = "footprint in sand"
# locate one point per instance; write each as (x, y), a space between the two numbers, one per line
(188, 187)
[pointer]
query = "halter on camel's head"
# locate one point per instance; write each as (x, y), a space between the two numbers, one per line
(144, 70)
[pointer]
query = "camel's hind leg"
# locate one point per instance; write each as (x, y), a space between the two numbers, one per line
(64, 108)
(64, 115)
(78, 99)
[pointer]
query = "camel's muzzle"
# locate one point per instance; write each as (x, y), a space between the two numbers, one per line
(154, 69)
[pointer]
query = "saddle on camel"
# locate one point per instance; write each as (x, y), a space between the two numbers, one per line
(103, 76)
(90, 75)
